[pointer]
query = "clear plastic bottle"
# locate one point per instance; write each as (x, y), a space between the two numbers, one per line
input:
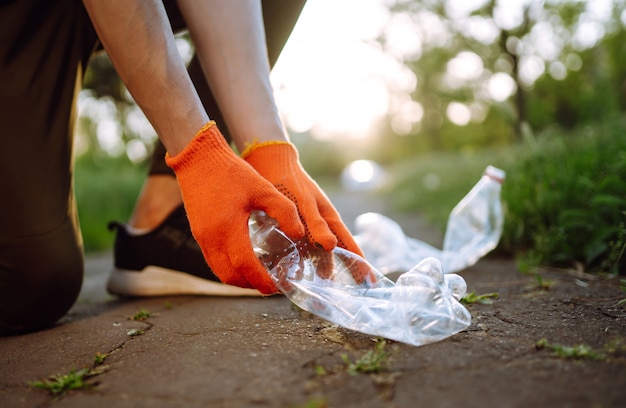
(421, 307)
(474, 228)
(475, 223)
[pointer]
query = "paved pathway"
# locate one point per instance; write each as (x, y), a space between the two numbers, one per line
(232, 352)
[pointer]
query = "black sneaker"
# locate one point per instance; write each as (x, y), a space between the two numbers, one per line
(165, 261)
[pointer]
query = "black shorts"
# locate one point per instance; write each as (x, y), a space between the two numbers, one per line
(44, 49)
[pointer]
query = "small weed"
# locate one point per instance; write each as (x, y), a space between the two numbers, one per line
(319, 370)
(59, 384)
(168, 305)
(99, 358)
(580, 352)
(623, 288)
(543, 284)
(485, 299)
(141, 315)
(135, 332)
(616, 347)
(372, 362)
(315, 403)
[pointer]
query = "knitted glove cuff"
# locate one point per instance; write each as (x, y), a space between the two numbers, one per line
(207, 144)
(250, 148)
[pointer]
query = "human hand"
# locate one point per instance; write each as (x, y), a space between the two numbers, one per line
(220, 191)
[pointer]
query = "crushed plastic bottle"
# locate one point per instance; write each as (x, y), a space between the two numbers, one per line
(474, 228)
(421, 307)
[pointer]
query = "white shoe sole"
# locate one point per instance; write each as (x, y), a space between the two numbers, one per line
(157, 281)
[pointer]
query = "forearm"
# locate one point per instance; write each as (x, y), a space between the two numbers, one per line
(230, 42)
(141, 45)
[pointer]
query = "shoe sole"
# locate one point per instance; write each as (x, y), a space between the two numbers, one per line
(157, 281)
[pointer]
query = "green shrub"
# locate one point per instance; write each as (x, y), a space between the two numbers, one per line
(566, 199)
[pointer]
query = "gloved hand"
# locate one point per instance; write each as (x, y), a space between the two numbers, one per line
(220, 191)
(278, 162)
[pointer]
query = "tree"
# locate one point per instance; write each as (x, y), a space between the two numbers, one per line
(537, 62)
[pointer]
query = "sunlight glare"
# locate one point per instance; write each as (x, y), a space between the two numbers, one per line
(458, 113)
(403, 39)
(409, 114)
(500, 86)
(466, 66)
(362, 175)
(531, 68)
(109, 134)
(328, 79)
(136, 151)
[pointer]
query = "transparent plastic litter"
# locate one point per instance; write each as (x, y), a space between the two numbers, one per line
(474, 229)
(421, 307)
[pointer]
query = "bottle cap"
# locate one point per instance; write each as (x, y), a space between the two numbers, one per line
(495, 174)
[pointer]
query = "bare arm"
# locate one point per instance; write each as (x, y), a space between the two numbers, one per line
(229, 37)
(139, 40)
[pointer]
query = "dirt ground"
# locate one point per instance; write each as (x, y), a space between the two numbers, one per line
(264, 352)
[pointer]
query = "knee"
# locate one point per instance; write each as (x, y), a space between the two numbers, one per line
(39, 282)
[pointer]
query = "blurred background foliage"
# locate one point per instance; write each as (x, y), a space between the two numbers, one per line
(538, 90)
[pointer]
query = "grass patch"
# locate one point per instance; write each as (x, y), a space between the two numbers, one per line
(485, 299)
(99, 358)
(566, 199)
(622, 302)
(543, 284)
(106, 189)
(314, 403)
(579, 352)
(58, 385)
(141, 315)
(372, 361)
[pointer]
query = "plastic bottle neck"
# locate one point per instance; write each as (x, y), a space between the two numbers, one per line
(494, 174)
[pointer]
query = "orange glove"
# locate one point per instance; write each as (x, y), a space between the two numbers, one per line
(220, 191)
(278, 162)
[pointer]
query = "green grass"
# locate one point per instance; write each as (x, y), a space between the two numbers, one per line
(372, 361)
(543, 284)
(59, 385)
(578, 352)
(566, 199)
(141, 315)
(106, 189)
(485, 299)
(99, 358)
(622, 302)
